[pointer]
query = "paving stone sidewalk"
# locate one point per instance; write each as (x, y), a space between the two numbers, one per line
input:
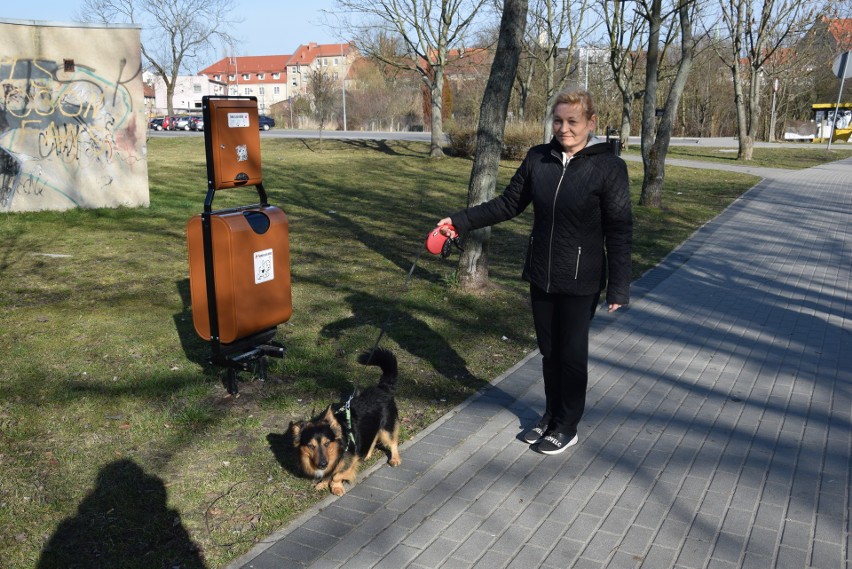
(718, 432)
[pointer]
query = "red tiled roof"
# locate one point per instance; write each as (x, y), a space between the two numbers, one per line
(266, 64)
(306, 54)
(841, 30)
(474, 61)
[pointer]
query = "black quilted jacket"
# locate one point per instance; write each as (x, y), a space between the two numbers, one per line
(583, 227)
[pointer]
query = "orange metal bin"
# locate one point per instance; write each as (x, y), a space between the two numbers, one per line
(251, 268)
(239, 258)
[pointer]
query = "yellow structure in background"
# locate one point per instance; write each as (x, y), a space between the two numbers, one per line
(824, 115)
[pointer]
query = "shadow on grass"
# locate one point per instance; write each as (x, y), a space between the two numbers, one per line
(196, 350)
(331, 144)
(411, 334)
(124, 522)
(281, 445)
(383, 147)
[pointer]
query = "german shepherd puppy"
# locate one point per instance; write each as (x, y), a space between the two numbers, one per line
(331, 446)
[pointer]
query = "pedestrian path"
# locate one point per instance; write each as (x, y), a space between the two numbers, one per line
(718, 432)
(761, 171)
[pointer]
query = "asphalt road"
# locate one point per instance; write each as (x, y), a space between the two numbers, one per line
(714, 142)
(346, 135)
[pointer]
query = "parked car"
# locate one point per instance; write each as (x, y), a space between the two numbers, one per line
(170, 123)
(265, 122)
(181, 123)
(156, 124)
(196, 123)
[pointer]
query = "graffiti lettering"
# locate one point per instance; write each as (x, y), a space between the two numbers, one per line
(36, 99)
(14, 68)
(73, 142)
(32, 186)
(55, 123)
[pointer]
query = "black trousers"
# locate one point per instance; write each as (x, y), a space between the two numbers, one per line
(562, 331)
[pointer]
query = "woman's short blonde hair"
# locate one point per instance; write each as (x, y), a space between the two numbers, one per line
(579, 97)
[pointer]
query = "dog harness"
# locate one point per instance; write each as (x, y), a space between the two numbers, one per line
(346, 409)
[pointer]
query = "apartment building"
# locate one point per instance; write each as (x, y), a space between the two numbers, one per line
(261, 76)
(276, 78)
(332, 60)
(189, 89)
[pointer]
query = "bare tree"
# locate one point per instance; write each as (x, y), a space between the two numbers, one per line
(176, 33)
(524, 78)
(381, 96)
(428, 29)
(656, 136)
(703, 112)
(324, 95)
(551, 40)
(473, 263)
(625, 31)
(757, 30)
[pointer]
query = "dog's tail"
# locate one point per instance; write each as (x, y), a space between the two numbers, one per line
(383, 358)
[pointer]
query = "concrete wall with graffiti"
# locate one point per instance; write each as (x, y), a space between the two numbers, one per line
(72, 117)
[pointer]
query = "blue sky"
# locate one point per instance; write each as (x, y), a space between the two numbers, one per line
(269, 27)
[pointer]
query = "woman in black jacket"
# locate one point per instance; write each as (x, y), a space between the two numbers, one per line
(580, 244)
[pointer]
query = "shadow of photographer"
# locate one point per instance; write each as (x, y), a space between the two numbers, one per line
(123, 522)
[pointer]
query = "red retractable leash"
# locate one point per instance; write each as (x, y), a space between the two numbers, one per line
(439, 244)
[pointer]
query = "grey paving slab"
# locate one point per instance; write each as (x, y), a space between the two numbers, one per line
(718, 430)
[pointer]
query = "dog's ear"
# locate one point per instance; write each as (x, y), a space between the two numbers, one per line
(330, 418)
(295, 430)
(337, 430)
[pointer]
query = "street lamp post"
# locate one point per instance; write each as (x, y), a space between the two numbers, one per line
(772, 113)
(298, 71)
(343, 83)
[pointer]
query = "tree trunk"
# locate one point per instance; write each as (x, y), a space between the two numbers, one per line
(737, 17)
(753, 111)
(523, 92)
(626, 111)
(654, 153)
(652, 181)
(170, 92)
(437, 91)
(744, 149)
(473, 264)
(549, 70)
(651, 191)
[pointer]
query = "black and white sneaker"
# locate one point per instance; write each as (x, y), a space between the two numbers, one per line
(536, 434)
(554, 443)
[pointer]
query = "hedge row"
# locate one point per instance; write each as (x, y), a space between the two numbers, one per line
(517, 139)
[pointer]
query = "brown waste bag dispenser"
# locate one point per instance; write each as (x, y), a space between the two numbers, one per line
(239, 258)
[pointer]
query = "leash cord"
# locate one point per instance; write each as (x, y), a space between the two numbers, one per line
(384, 325)
(382, 331)
(444, 254)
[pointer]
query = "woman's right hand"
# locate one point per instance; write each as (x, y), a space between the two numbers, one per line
(445, 225)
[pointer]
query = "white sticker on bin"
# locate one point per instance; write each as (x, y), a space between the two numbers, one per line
(238, 120)
(263, 269)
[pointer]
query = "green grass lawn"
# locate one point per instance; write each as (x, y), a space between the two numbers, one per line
(119, 447)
